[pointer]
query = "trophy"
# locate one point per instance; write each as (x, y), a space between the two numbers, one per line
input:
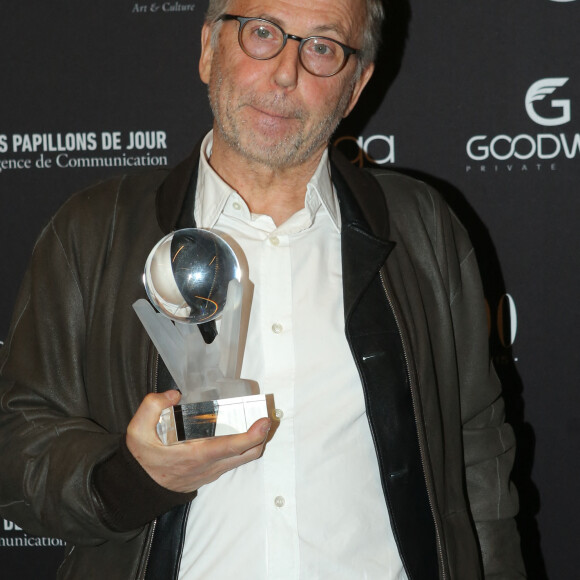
(192, 276)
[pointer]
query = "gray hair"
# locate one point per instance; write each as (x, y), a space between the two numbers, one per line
(375, 15)
(372, 32)
(215, 9)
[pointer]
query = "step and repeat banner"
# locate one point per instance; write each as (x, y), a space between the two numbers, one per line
(480, 99)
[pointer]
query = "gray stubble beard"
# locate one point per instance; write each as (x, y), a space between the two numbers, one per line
(291, 151)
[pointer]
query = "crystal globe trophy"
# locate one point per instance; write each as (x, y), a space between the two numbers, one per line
(192, 276)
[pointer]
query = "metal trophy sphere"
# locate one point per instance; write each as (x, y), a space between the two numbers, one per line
(187, 275)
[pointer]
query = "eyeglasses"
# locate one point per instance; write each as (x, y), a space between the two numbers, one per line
(263, 40)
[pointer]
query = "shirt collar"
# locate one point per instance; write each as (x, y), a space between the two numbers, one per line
(213, 194)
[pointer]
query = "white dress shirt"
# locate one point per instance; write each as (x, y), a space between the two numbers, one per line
(312, 507)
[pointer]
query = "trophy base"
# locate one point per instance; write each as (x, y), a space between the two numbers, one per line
(212, 418)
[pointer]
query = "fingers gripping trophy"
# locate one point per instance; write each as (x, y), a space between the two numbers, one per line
(192, 276)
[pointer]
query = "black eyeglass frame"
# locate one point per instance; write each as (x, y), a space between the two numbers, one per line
(243, 20)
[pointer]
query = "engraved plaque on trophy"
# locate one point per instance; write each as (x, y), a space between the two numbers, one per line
(193, 276)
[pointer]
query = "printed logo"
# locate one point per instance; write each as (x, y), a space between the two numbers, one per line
(525, 152)
(373, 150)
(538, 92)
(15, 537)
(154, 7)
(80, 150)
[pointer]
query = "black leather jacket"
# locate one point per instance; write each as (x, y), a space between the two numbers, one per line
(77, 364)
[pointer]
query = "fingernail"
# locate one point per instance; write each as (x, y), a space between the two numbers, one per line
(266, 427)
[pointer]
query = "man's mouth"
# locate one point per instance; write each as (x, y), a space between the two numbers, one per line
(276, 112)
(273, 114)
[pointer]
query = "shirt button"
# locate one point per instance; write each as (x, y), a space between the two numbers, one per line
(279, 501)
(275, 240)
(279, 413)
(277, 328)
(237, 205)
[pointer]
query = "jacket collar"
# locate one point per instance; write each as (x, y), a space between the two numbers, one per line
(362, 203)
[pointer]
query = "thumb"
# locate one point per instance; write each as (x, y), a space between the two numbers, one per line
(147, 415)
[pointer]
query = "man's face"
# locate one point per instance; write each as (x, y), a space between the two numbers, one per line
(274, 112)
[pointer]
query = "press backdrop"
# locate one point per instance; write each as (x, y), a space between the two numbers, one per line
(480, 99)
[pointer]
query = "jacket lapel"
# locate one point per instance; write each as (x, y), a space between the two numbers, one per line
(176, 195)
(365, 243)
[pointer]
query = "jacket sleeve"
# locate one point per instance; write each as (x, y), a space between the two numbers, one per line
(489, 442)
(49, 443)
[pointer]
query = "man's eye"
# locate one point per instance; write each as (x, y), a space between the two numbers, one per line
(263, 33)
(322, 48)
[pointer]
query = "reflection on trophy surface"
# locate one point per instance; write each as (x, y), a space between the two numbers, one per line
(192, 276)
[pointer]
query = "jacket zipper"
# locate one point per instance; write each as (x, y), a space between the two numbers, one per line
(154, 523)
(148, 549)
(413, 387)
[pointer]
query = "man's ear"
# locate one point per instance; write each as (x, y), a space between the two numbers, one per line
(360, 84)
(206, 53)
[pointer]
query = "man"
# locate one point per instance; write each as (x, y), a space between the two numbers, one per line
(390, 458)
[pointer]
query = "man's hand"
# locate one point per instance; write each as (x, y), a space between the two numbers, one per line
(188, 466)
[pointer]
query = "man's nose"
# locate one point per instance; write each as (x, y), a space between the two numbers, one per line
(287, 66)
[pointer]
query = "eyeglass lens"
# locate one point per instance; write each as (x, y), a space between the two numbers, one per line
(262, 39)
